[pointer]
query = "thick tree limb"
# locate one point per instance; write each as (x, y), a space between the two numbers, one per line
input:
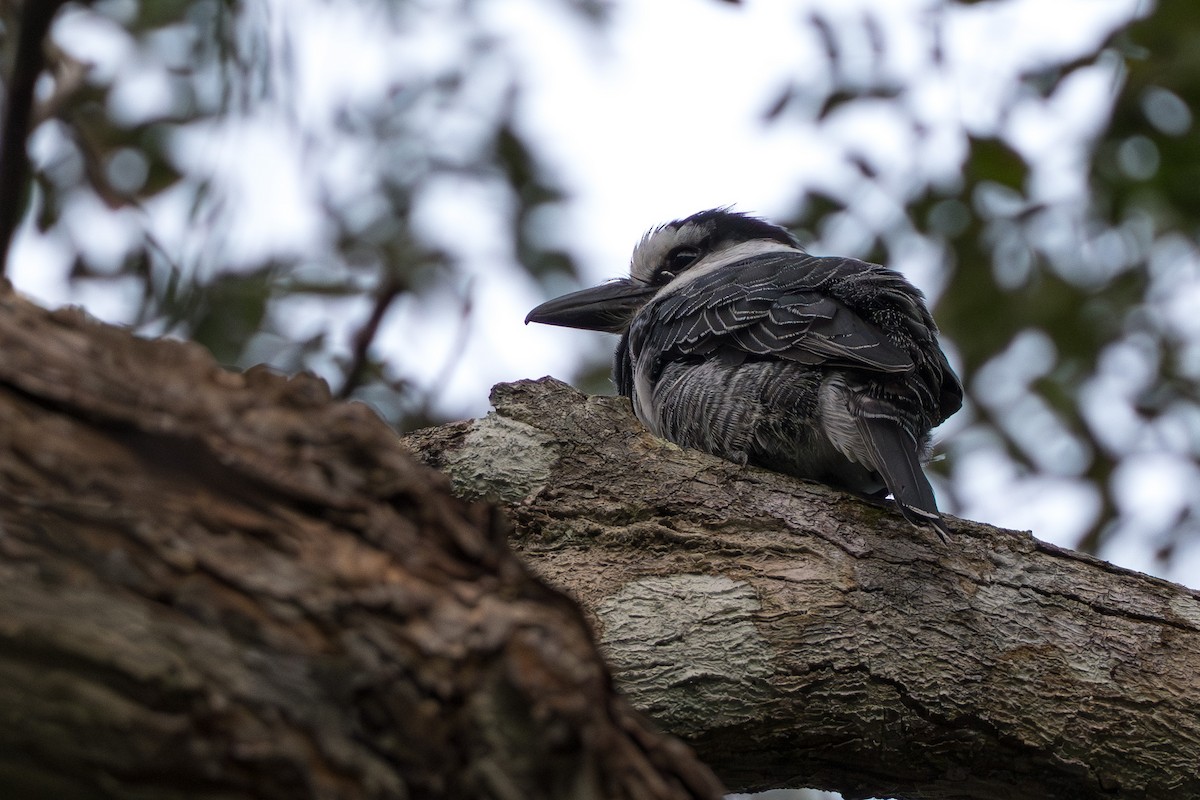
(798, 636)
(225, 585)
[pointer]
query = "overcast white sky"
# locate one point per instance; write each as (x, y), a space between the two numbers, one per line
(657, 119)
(666, 120)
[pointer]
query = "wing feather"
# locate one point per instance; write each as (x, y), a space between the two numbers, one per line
(772, 305)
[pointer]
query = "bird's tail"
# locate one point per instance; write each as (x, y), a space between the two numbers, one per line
(896, 455)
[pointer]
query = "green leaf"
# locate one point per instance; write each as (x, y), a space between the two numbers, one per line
(993, 160)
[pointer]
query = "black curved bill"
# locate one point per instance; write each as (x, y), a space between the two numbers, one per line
(608, 307)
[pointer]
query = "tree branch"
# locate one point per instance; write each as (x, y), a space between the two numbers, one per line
(36, 16)
(213, 583)
(388, 291)
(228, 585)
(796, 636)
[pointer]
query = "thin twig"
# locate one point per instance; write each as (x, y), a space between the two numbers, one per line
(388, 292)
(69, 73)
(455, 354)
(36, 16)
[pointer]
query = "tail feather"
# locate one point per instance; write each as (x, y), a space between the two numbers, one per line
(895, 453)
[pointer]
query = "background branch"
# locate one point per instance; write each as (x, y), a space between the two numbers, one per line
(797, 636)
(389, 290)
(36, 17)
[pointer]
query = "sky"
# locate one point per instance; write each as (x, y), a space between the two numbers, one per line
(657, 118)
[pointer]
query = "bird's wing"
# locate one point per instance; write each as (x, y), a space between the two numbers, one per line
(772, 305)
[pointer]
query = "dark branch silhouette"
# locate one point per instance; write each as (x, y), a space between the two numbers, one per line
(35, 20)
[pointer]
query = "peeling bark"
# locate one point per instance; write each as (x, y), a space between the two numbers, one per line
(228, 585)
(797, 636)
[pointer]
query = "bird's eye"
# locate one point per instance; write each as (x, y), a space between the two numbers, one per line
(680, 259)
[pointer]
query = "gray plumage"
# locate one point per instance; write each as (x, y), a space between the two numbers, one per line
(737, 342)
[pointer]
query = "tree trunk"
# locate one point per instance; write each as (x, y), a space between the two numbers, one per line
(797, 636)
(226, 585)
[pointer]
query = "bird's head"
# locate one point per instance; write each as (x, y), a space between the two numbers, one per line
(666, 255)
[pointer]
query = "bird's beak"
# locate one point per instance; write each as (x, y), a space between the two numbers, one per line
(608, 307)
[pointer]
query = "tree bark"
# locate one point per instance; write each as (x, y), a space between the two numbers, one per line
(227, 585)
(797, 636)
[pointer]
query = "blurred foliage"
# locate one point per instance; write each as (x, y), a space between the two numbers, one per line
(220, 62)
(1046, 302)
(1084, 281)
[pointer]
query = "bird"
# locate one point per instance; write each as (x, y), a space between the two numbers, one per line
(736, 341)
